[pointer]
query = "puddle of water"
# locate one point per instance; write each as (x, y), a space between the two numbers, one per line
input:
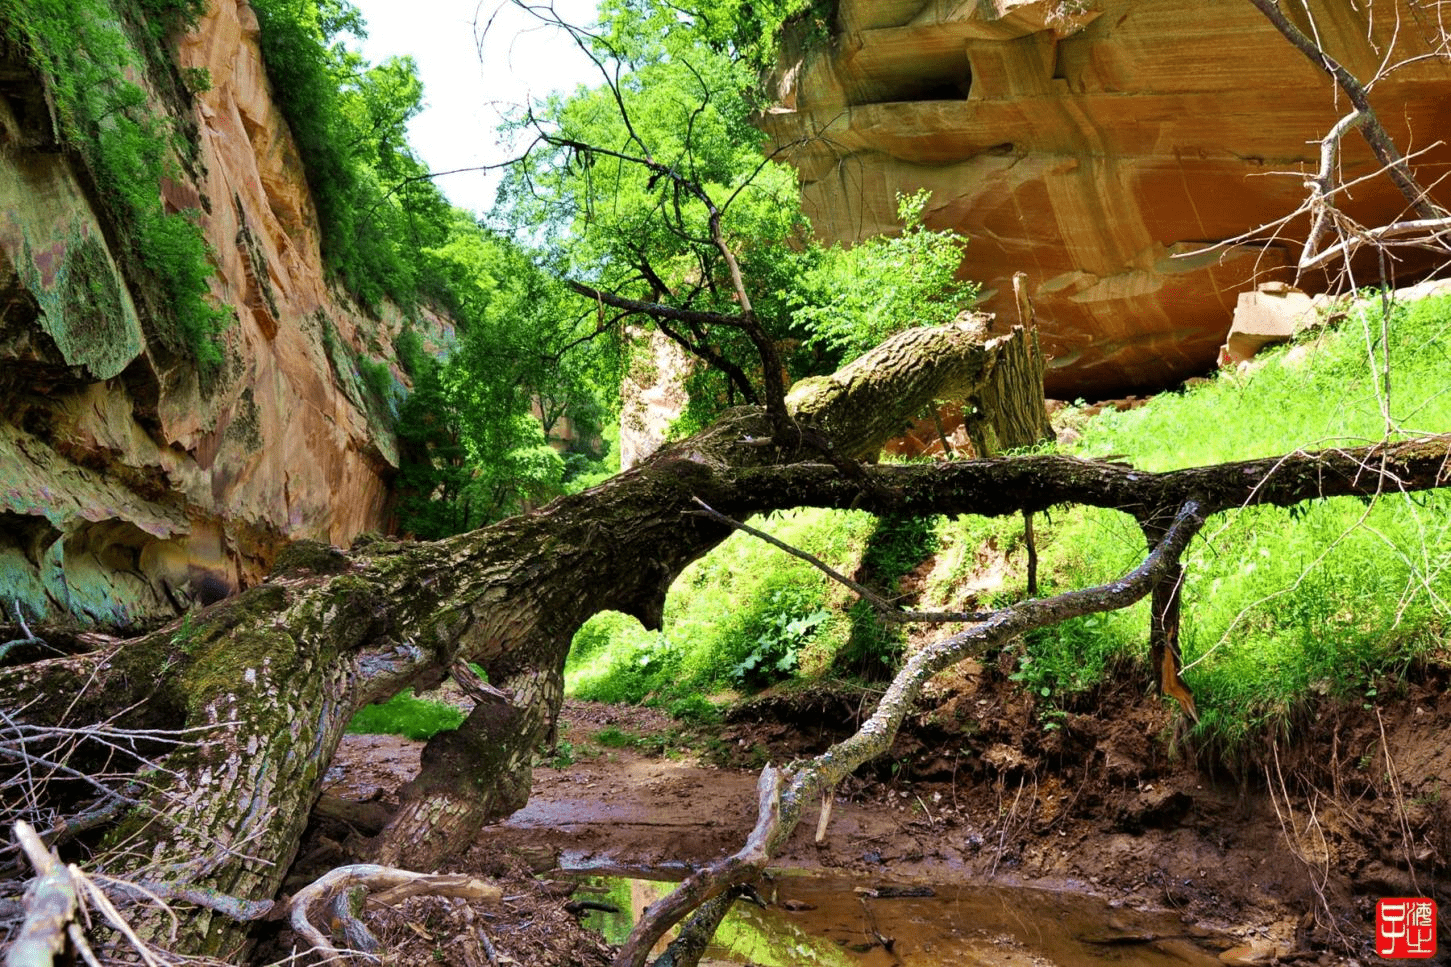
(823, 921)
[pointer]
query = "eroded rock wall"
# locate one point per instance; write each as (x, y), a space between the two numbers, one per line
(1100, 146)
(127, 488)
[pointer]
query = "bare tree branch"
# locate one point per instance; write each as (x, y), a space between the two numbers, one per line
(50, 904)
(394, 885)
(785, 794)
(1375, 134)
(885, 608)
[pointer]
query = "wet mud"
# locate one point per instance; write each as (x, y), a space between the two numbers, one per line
(1112, 816)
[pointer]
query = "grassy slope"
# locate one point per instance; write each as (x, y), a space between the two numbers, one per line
(742, 599)
(1336, 597)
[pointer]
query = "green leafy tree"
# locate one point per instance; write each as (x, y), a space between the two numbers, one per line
(854, 298)
(376, 205)
(652, 195)
(474, 430)
(472, 445)
(658, 198)
(744, 30)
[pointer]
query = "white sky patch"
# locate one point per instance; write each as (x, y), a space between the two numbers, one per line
(470, 82)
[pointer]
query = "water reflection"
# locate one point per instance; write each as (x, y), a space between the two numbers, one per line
(834, 922)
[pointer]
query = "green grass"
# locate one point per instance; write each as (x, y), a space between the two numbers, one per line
(1317, 393)
(408, 715)
(1280, 606)
(745, 615)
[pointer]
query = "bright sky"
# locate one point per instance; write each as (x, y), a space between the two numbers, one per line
(469, 82)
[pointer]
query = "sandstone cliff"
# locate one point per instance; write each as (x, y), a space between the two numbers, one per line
(1100, 146)
(127, 485)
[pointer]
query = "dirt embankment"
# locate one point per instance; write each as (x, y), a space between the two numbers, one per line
(1282, 856)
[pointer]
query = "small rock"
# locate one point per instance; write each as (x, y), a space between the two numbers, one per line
(1121, 768)
(1159, 809)
(1249, 955)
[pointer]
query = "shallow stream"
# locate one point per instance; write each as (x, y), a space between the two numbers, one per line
(837, 922)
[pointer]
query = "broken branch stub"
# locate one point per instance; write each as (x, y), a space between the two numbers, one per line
(874, 398)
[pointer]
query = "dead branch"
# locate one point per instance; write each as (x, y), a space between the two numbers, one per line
(50, 905)
(1431, 233)
(1369, 124)
(30, 637)
(994, 488)
(885, 608)
(58, 899)
(784, 794)
(394, 885)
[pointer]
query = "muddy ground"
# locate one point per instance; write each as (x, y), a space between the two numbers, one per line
(1280, 857)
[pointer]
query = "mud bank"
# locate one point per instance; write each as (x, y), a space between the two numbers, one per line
(1281, 857)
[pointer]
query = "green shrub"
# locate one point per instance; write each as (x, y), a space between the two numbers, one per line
(787, 623)
(744, 615)
(377, 378)
(612, 737)
(695, 710)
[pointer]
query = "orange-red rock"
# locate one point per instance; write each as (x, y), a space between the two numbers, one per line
(125, 489)
(1102, 146)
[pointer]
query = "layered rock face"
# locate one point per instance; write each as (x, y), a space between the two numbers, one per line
(127, 489)
(1103, 147)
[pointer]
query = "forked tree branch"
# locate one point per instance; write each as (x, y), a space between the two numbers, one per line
(1374, 132)
(784, 794)
(391, 885)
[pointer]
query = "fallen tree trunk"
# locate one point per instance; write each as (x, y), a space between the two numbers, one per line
(266, 682)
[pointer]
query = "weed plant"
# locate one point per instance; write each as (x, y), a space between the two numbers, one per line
(897, 544)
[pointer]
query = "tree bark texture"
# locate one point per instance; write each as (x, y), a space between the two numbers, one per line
(275, 674)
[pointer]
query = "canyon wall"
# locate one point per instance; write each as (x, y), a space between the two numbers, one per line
(1104, 147)
(129, 487)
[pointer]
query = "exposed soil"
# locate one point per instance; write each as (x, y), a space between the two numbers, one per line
(1282, 857)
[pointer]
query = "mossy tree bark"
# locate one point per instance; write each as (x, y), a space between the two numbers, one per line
(270, 678)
